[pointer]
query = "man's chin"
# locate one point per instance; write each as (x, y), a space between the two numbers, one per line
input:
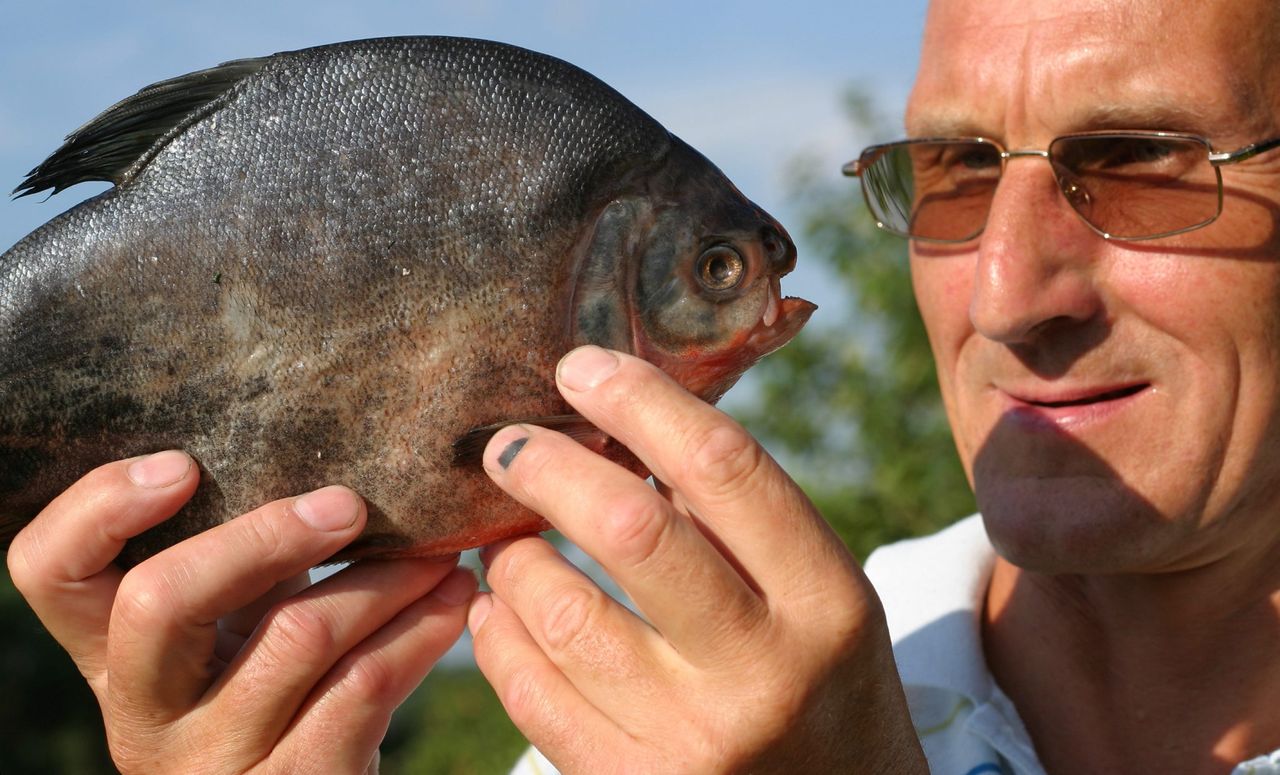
(1070, 524)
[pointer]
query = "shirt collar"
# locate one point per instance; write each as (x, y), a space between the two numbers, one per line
(933, 590)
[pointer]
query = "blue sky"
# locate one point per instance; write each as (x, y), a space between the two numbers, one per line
(750, 84)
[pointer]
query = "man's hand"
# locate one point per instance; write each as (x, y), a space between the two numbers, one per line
(762, 648)
(293, 681)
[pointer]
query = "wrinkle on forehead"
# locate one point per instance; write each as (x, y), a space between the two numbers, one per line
(1256, 82)
(1043, 67)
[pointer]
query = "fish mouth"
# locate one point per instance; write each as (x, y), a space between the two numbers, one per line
(710, 375)
(780, 320)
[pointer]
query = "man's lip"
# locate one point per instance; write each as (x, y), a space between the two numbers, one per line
(1079, 396)
(1060, 408)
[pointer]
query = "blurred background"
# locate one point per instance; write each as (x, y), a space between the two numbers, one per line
(777, 95)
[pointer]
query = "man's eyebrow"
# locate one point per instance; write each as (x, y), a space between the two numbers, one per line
(1150, 115)
(1174, 116)
(944, 125)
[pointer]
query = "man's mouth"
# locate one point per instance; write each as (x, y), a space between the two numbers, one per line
(1084, 400)
(1064, 407)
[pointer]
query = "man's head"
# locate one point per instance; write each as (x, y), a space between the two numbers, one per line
(1116, 404)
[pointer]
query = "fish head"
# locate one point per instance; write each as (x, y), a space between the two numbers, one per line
(707, 295)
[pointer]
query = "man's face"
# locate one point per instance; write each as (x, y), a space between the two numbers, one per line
(1115, 404)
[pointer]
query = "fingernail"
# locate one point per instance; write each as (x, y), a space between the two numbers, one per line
(480, 608)
(329, 508)
(457, 588)
(160, 470)
(586, 367)
(510, 451)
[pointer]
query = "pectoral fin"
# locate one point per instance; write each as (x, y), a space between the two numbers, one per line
(468, 449)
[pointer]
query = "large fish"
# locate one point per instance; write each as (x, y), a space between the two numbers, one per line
(330, 265)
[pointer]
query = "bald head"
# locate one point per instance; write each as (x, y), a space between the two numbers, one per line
(1121, 50)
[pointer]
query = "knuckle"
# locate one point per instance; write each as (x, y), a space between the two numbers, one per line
(723, 458)
(18, 559)
(522, 697)
(143, 601)
(299, 632)
(855, 626)
(845, 614)
(629, 392)
(262, 534)
(638, 526)
(513, 567)
(369, 680)
(108, 476)
(27, 554)
(569, 614)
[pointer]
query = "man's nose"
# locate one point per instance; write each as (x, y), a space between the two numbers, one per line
(1035, 269)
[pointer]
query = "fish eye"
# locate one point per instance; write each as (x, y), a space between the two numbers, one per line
(720, 268)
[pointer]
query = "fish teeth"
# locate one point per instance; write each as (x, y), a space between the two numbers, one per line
(772, 307)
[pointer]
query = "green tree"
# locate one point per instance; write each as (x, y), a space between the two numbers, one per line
(49, 719)
(452, 725)
(852, 405)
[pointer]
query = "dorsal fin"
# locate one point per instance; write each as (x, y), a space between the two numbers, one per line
(113, 142)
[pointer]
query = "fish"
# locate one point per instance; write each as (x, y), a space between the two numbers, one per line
(353, 263)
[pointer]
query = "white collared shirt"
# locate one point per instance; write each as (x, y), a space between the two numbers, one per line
(933, 590)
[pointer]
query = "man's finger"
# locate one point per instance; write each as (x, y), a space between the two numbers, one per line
(242, 622)
(727, 480)
(605, 651)
(163, 625)
(300, 640)
(683, 584)
(345, 718)
(542, 703)
(62, 561)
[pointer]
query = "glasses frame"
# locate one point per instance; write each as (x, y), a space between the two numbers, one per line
(1218, 159)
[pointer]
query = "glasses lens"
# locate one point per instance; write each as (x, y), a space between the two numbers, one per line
(1137, 186)
(932, 190)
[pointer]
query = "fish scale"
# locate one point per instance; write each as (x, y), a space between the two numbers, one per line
(331, 265)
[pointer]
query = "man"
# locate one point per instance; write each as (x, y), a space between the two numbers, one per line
(1114, 401)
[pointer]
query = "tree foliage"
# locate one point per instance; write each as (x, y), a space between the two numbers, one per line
(452, 725)
(852, 405)
(49, 719)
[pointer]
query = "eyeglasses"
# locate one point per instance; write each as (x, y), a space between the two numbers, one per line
(1124, 185)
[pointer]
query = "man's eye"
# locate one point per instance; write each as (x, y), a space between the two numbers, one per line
(1142, 151)
(934, 163)
(978, 160)
(1125, 153)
